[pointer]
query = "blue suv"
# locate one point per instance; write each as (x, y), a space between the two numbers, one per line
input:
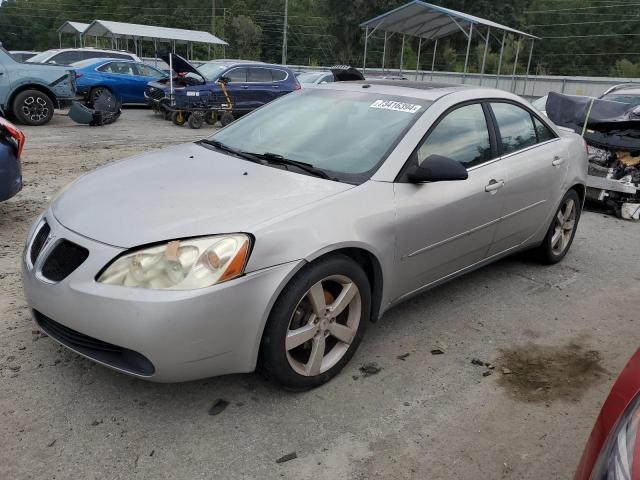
(250, 84)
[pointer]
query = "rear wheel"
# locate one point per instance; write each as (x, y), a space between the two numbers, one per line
(95, 93)
(178, 118)
(33, 107)
(562, 230)
(317, 323)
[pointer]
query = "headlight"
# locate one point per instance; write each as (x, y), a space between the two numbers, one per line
(616, 458)
(181, 264)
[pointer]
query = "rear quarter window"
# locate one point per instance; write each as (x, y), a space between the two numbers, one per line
(278, 75)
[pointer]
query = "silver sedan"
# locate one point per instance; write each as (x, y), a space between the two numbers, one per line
(276, 241)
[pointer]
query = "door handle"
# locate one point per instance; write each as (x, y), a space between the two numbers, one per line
(494, 186)
(557, 161)
(276, 86)
(245, 87)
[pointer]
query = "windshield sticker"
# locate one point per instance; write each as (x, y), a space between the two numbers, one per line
(396, 106)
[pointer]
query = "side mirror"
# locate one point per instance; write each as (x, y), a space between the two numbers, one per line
(436, 168)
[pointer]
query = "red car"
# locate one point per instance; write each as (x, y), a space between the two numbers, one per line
(613, 449)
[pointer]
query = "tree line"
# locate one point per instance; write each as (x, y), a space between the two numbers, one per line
(578, 37)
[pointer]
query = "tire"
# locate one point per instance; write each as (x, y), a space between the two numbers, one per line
(211, 118)
(166, 115)
(178, 118)
(195, 121)
(94, 93)
(32, 107)
(564, 223)
(227, 118)
(324, 280)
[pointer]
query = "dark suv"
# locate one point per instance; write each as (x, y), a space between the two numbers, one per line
(250, 84)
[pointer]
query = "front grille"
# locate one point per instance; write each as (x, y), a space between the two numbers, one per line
(155, 93)
(107, 353)
(63, 259)
(38, 242)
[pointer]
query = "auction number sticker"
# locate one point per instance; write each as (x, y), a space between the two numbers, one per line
(396, 106)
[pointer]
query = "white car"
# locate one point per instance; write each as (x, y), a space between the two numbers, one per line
(67, 56)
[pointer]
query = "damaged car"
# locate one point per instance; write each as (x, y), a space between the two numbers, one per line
(32, 91)
(249, 84)
(611, 127)
(267, 246)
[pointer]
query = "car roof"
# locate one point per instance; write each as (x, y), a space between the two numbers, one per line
(406, 88)
(625, 91)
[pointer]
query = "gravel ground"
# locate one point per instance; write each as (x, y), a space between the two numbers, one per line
(564, 332)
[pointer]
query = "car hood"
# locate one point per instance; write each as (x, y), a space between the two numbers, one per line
(183, 191)
(180, 65)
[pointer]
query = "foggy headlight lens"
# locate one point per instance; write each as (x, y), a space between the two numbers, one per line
(181, 264)
(616, 458)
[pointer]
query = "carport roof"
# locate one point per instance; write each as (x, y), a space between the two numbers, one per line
(105, 28)
(73, 27)
(424, 20)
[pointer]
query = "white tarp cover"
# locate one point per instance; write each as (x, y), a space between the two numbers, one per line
(106, 28)
(73, 27)
(421, 19)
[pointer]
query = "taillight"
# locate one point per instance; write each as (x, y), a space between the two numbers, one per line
(296, 86)
(78, 75)
(16, 134)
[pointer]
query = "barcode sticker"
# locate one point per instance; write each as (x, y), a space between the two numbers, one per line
(396, 106)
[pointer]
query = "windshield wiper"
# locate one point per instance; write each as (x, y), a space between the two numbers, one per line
(234, 151)
(280, 160)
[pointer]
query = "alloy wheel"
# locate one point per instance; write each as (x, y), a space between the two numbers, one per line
(35, 108)
(564, 225)
(323, 325)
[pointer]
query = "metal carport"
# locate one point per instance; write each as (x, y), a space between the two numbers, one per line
(73, 28)
(432, 22)
(118, 31)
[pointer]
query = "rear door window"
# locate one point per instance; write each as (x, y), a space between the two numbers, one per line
(461, 135)
(259, 75)
(147, 71)
(236, 75)
(515, 125)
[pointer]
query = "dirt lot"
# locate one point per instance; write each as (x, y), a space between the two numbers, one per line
(564, 332)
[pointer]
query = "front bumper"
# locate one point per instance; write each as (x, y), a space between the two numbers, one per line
(185, 335)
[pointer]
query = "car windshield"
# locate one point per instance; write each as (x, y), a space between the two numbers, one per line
(345, 133)
(309, 77)
(631, 99)
(212, 70)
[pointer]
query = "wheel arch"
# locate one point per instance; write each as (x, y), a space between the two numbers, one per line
(31, 86)
(367, 259)
(581, 190)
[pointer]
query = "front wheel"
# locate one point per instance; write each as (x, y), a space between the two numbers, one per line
(32, 107)
(317, 323)
(178, 118)
(562, 230)
(195, 120)
(226, 119)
